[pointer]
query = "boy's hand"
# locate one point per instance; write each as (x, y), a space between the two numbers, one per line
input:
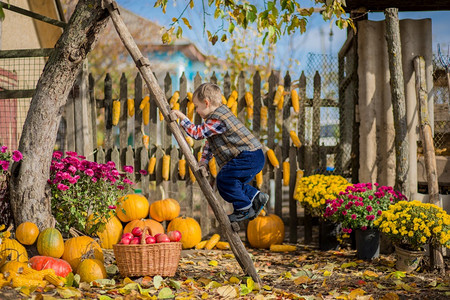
(179, 114)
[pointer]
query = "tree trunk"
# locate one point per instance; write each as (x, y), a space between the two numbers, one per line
(30, 197)
(398, 99)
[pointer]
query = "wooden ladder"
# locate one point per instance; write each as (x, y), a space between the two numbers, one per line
(143, 65)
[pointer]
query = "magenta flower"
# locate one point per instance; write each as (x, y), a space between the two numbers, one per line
(4, 164)
(72, 169)
(353, 216)
(89, 172)
(128, 169)
(369, 208)
(57, 154)
(17, 156)
(143, 172)
(112, 207)
(71, 153)
(379, 212)
(344, 212)
(3, 149)
(363, 228)
(120, 187)
(62, 187)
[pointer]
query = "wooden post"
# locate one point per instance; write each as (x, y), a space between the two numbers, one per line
(436, 258)
(257, 105)
(398, 99)
(316, 103)
(109, 142)
(123, 124)
(143, 65)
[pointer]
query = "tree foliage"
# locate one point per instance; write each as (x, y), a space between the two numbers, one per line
(273, 19)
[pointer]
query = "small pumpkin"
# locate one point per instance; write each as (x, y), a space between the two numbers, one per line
(50, 243)
(13, 267)
(132, 207)
(154, 227)
(264, 231)
(165, 210)
(110, 234)
(27, 233)
(61, 267)
(191, 232)
(12, 250)
(91, 269)
(76, 247)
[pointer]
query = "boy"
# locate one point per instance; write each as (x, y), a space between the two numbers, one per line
(237, 151)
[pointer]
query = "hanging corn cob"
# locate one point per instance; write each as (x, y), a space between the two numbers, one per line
(234, 109)
(190, 141)
(263, 117)
(145, 140)
(182, 168)
(249, 112)
(176, 106)
(231, 101)
(151, 165)
(190, 111)
(278, 94)
(259, 179)
(192, 176)
(174, 98)
(212, 167)
(249, 99)
(116, 112)
(280, 103)
(224, 100)
(295, 139)
(144, 102)
(161, 116)
(146, 113)
(286, 173)
(189, 96)
(272, 158)
(130, 106)
(166, 167)
(295, 101)
(212, 241)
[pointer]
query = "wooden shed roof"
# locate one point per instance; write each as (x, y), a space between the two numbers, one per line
(402, 5)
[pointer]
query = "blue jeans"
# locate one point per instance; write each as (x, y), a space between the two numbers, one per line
(232, 180)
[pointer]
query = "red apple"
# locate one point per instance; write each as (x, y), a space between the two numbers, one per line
(174, 235)
(128, 235)
(156, 235)
(135, 241)
(162, 238)
(137, 231)
(150, 240)
(125, 241)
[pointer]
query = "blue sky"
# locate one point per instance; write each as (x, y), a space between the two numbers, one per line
(315, 40)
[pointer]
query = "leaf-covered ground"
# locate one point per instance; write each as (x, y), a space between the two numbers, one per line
(304, 274)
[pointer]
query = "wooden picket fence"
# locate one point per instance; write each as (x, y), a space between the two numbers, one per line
(310, 158)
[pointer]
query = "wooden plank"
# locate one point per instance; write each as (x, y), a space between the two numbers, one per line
(123, 119)
(100, 155)
(129, 161)
(257, 105)
(292, 202)
(241, 98)
(167, 134)
(18, 53)
(33, 15)
(93, 109)
(109, 141)
(174, 166)
(138, 129)
(143, 165)
(442, 170)
(183, 93)
(285, 137)
(302, 120)
(70, 122)
(279, 184)
(16, 94)
(227, 85)
(213, 78)
(115, 156)
(152, 128)
(316, 121)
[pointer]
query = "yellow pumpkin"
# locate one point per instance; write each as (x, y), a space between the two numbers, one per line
(50, 243)
(132, 207)
(14, 266)
(10, 249)
(27, 233)
(154, 227)
(76, 247)
(110, 234)
(165, 210)
(265, 231)
(91, 269)
(191, 232)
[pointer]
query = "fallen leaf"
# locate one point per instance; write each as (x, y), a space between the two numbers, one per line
(234, 279)
(68, 292)
(369, 273)
(326, 273)
(157, 280)
(227, 291)
(348, 265)
(127, 280)
(213, 263)
(390, 296)
(165, 293)
(302, 280)
(355, 293)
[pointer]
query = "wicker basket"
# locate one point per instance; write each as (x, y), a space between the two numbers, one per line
(148, 259)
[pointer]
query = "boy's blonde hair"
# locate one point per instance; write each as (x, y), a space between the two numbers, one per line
(209, 91)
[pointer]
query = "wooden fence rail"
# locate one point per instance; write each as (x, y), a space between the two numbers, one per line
(124, 145)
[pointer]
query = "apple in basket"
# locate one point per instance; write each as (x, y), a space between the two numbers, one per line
(137, 231)
(162, 238)
(150, 240)
(125, 240)
(174, 235)
(135, 241)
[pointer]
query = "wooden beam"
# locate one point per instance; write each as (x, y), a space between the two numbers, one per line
(33, 15)
(402, 5)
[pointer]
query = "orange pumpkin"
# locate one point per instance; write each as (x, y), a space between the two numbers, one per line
(191, 232)
(165, 210)
(265, 231)
(50, 243)
(155, 227)
(110, 234)
(10, 249)
(27, 233)
(76, 247)
(132, 207)
(91, 269)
